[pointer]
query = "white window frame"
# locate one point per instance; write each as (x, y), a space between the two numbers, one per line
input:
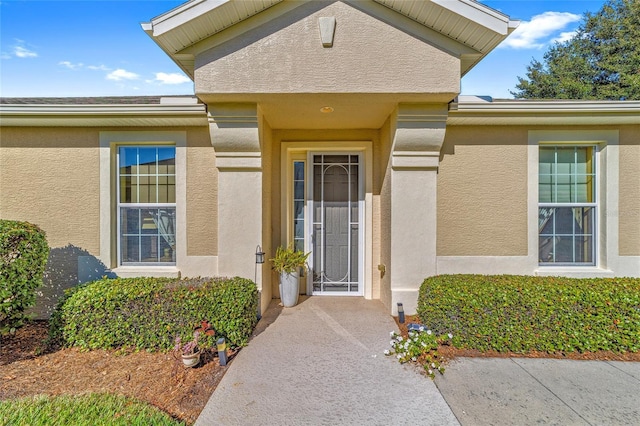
(593, 205)
(109, 141)
(607, 259)
(138, 205)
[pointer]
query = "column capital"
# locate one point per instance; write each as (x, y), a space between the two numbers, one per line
(234, 127)
(419, 135)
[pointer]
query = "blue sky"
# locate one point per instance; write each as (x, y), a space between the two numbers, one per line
(97, 48)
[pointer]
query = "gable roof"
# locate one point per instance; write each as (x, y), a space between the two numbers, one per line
(468, 22)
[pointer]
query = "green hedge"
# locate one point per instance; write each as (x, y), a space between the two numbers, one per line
(524, 313)
(148, 313)
(23, 257)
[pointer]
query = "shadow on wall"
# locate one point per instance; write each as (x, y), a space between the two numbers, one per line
(66, 267)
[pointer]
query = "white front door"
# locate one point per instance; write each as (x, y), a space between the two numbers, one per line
(335, 198)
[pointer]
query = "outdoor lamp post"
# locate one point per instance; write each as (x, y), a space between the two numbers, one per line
(259, 255)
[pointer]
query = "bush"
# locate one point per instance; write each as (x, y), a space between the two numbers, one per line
(148, 313)
(524, 313)
(23, 256)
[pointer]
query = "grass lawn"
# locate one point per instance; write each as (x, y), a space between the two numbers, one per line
(90, 409)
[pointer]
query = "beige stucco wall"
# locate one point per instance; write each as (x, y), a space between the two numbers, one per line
(384, 224)
(50, 177)
(482, 192)
(268, 204)
(629, 201)
(202, 195)
(286, 56)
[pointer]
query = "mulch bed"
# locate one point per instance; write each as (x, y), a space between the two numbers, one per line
(27, 367)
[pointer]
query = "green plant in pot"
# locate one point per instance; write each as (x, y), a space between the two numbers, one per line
(287, 263)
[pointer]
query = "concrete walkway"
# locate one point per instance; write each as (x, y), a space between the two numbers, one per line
(529, 391)
(322, 362)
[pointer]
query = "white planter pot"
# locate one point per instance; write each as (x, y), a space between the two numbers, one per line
(289, 288)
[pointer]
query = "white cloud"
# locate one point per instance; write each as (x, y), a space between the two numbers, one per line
(173, 78)
(4, 55)
(534, 34)
(70, 65)
(564, 36)
(98, 67)
(23, 52)
(120, 74)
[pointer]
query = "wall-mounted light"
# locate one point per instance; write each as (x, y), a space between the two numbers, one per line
(326, 109)
(259, 255)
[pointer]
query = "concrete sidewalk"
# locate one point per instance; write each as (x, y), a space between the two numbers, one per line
(322, 362)
(534, 391)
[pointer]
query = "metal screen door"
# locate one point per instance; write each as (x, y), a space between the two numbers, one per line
(336, 213)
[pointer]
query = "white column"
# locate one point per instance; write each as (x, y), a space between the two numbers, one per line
(419, 134)
(235, 136)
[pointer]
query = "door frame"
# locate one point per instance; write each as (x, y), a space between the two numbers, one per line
(299, 151)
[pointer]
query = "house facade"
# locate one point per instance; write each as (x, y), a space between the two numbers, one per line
(335, 127)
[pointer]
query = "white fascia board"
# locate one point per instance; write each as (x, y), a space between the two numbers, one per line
(480, 14)
(183, 14)
(551, 105)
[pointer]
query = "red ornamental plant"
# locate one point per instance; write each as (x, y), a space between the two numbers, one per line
(191, 346)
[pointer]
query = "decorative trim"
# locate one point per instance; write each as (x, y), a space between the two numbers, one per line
(327, 27)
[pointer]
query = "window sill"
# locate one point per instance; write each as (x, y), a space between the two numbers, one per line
(574, 271)
(147, 271)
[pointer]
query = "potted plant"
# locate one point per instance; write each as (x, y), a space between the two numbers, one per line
(189, 351)
(287, 263)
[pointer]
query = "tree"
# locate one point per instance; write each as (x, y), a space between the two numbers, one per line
(602, 61)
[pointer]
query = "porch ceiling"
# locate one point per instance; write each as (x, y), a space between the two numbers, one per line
(349, 111)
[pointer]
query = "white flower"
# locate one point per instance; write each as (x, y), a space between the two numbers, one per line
(430, 371)
(424, 345)
(433, 365)
(399, 338)
(413, 358)
(399, 356)
(421, 328)
(450, 336)
(392, 343)
(411, 334)
(391, 333)
(429, 332)
(386, 352)
(406, 345)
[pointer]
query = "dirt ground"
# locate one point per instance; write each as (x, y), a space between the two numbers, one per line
(29, 368)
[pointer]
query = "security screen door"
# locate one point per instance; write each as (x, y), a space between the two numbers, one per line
(336, 234)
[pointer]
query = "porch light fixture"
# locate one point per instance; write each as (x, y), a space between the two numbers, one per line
(259, 255)
(326, 109)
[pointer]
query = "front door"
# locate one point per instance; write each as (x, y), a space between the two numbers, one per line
(336, 208)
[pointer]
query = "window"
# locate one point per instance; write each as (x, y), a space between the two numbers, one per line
(146, 205)
(566, 205)
(298, 205)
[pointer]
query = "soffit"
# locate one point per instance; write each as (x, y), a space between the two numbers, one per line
(465, 21)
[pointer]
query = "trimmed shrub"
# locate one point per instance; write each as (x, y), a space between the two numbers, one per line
(23, 256)
(148, 313)
(524, 313)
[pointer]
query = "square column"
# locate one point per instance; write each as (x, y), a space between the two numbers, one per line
(419, 134)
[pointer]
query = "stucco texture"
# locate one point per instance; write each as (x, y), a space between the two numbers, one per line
(202, 195)
(286, 56)
(50, 177)
(482, 192)
(629, 201)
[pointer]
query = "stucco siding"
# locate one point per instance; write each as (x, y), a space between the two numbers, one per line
(50, 177)
(287, 56)
(482, 192)
(629, 201)
(202, 195)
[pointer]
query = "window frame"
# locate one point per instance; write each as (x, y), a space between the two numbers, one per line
(119, 205)
(593, 205)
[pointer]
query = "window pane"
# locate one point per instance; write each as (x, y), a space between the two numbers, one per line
(298, 170)
(128, 160)
(563, 189)
(566, 235)
(545, 188)
(148, 235)
(147, 160)
(565, 160)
